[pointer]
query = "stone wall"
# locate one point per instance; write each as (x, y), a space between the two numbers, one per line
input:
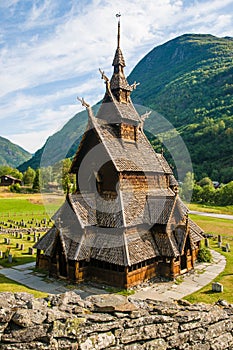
(106, 321)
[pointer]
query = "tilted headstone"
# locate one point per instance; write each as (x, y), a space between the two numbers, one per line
(217, 287)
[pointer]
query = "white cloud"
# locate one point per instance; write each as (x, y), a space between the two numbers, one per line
(64, 44)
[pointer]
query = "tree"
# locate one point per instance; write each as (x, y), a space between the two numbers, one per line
(206, 181)
(225, 194)
(36, 182)
(28, 176)
(68, 180)
(187, 187)
(197, 194)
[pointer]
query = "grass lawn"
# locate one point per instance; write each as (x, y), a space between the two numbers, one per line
(215, 226)
(7, 285)
(205, 294)
(211, 209)
(224, 228)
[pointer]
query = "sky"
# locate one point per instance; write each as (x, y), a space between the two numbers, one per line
(51, 52)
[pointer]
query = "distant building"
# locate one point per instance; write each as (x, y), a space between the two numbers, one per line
(8, 180)
(126, 222)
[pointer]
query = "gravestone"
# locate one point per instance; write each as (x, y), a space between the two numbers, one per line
(217, 287)
(30, 251)
(228, 248)
(22, 247)
(17, 245)
(10, 258)
(219, 238)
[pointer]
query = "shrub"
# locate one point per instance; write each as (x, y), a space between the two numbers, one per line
(204, 255)
(15, 188)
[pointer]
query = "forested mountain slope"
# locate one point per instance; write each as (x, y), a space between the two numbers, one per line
(189, 80)
(12, 154)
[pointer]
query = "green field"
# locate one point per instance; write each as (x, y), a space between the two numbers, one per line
(18, 206)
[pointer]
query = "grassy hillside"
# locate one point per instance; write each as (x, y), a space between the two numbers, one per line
(11, 154)
(189, 81)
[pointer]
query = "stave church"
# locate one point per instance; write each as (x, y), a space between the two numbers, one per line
(125, 223)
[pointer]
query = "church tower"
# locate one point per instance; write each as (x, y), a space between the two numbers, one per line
(126, 222)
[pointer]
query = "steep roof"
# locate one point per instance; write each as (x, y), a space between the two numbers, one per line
(122, 152)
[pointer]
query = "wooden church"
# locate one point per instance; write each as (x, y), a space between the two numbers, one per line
(126, 222)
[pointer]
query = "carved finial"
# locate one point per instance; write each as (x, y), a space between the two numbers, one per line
(145, 115)
(83, 102)
(134, 85)
(143, 118)
(103, 76)
(118, 15)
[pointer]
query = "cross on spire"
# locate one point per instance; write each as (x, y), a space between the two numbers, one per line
(118, 15)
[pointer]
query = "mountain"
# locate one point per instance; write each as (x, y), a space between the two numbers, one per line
(12, 154)
(188, 80)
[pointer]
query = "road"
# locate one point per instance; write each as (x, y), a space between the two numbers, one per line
(213, 215)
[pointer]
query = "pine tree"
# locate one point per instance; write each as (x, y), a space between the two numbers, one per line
(36, 182)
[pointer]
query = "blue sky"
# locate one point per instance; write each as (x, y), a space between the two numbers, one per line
(51, 51)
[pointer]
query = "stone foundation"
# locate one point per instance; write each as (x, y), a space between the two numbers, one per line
(106, 321)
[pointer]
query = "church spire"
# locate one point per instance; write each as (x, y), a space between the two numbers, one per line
(118, 58)
(119, 85)
(118, 15)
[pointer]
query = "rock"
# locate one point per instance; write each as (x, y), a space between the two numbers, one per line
(188, 316)
(183, 302)
(99, 317)
(28, 317)
(55, 314)
(223, 342)
(111, 302)
(26, 334)
(98, 341)
(222, 302)
(71, 329)
(65, 299)
(6, 314)
(7, 299)
(217, 329)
